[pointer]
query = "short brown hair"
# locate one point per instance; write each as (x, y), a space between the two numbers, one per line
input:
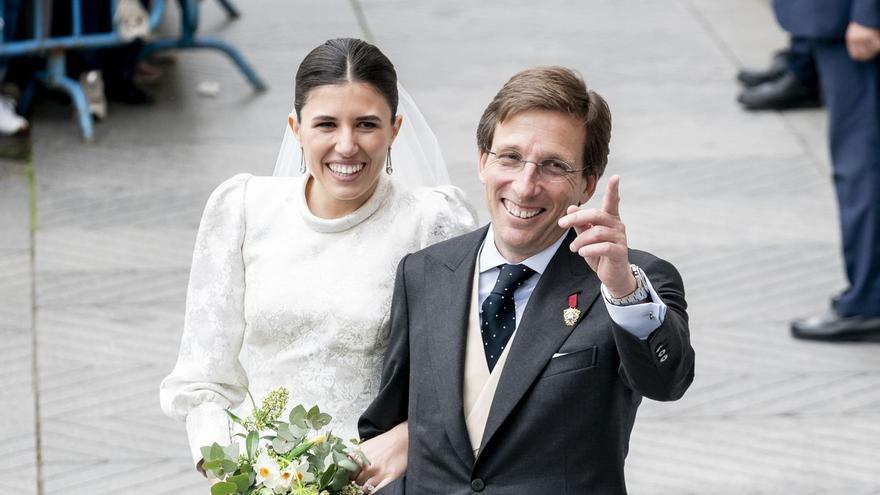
(553, 88)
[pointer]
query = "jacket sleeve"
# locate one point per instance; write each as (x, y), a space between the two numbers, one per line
(661, 367)
(866, 13)
(390, 407)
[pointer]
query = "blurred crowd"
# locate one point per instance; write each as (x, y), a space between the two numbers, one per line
(115, 74)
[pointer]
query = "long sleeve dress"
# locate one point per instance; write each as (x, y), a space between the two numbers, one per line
(278, 296)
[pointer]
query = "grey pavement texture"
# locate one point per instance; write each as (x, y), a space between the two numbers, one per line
(91, 298)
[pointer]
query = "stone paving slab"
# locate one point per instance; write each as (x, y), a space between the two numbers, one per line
(14, 210)
(124, 247)
(760, 455)
(17, 426)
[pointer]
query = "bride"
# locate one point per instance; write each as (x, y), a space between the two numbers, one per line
(292, 277)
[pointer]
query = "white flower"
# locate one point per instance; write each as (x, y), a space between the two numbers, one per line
(268, 472)
(300, 472)
(286, 477)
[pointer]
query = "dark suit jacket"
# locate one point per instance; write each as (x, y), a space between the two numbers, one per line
(556, 425)
(825, 19)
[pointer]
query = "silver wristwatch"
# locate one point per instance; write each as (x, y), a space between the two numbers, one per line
(636, 296)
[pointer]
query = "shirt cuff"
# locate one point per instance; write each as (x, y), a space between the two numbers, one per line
(638, 319)
(206, 424)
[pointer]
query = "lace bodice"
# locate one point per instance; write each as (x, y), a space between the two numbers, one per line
(278, 296)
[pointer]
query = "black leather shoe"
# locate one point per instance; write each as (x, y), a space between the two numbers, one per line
(753, 77)
(780, 94)
(125, 91)
(833, 327)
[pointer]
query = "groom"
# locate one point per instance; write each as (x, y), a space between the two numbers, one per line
(519, 353)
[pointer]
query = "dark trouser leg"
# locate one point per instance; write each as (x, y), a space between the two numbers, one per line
(800, 61)
(851, 91)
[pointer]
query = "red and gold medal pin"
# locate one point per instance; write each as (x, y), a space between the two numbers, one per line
(571, 314)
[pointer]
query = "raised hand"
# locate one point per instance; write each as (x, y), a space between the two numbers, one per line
(601, 240)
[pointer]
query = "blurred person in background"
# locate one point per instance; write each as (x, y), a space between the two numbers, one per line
(844, 36)
(11, 122)
(104, 73)
(789, 82)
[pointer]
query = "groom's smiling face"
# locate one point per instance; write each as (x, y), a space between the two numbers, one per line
(525, 206)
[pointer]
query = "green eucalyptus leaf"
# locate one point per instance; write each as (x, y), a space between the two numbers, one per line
(215, 453)
(229, 466)
(348, 465)
(231, 451)
(340, 479)
(212, 465)
(316, 461)
(282, 446)
(323, 419)
(252, 443)
(327, 477)
(285, 433)
(321, 450)
(242, 482)
(224, 488)
(235, 418)
(313, 412)
(298, 432)
(298, 415)
(206, 452)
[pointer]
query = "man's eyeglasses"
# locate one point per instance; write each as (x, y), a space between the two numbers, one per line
(551, 169)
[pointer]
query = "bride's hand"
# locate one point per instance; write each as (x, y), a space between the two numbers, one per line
(387, 456)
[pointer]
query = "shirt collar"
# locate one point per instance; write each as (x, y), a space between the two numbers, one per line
(490, 257)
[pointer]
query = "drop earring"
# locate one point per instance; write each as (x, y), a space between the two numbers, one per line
(388, 168)
(302, 161)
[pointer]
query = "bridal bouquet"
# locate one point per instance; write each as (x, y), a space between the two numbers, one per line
(295, 457)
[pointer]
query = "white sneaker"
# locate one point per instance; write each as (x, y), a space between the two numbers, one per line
(10, 122)
(92, 83)
(132, 20)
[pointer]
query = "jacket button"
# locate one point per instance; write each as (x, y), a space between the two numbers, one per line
(478, 485)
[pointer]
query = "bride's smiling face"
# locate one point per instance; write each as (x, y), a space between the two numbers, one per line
(345, 132)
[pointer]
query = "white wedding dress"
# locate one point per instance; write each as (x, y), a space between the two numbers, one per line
(278, 296)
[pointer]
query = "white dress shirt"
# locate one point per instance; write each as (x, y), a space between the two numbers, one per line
(637, 319)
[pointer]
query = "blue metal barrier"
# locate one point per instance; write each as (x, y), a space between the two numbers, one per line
(189, 23)
(54, 49)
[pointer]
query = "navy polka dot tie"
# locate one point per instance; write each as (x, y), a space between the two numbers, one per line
(498, 312)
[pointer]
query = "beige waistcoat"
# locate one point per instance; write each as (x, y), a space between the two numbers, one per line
(479, 384)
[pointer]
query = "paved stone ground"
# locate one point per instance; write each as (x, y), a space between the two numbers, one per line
(91, 297)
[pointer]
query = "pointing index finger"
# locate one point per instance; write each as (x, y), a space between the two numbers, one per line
(611, 201)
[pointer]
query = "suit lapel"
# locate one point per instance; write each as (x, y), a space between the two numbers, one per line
(449, 284)
(542, 330)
